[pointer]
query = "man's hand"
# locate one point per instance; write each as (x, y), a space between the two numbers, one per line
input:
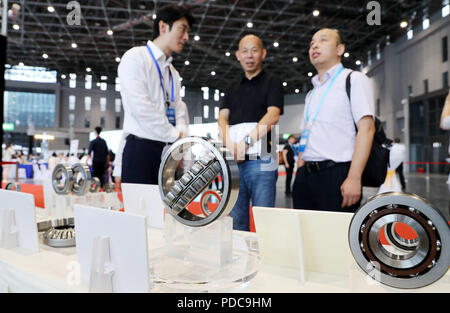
(286, 164)
(181, 135)
(351, 191)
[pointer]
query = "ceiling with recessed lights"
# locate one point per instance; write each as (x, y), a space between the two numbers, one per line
(108, 28)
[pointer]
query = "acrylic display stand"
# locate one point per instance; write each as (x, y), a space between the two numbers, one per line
(101, 271)
(201, 259)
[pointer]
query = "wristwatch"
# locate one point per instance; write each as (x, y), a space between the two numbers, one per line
(248, 141)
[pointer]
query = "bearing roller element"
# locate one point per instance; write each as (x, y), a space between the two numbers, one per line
(415, 259)
(178, 194)
(62, 179)
(95, 185)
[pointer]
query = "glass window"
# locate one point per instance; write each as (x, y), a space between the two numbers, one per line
(22, 107)
(445, 80)
(72, 101)
(87, 123)
(102, 104)
(73, 80)
(216, 113)
(118, 105)
(445, 49)
(102, 122)
(205, 111)
(117, 122)
(425, 86)
(71, 119)
(87, 103)
(31, 74)
(103, 86)
(117, 84)
(205, 93)
(88, 82)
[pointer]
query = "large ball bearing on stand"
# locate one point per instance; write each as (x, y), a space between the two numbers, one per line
(212, 160)
(408, 261)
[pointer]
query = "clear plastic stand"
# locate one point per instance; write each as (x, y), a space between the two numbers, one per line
(63, 207)
(201, 258)
(9, 233)
(101, 271)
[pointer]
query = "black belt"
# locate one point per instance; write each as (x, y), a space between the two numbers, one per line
(313, 167)
(155, 142)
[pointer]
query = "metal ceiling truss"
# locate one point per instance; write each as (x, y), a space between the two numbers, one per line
(220, 25)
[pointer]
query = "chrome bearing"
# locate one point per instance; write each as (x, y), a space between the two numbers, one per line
(213, 160)
(95, 184)
(108, 187)
(82, 179)
(414, 259)
(62, 179)
(13, 187)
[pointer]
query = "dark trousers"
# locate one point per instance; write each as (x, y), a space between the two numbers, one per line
(289, 172)
(140, 161)
(99, 169)
(321, 190)
(399, 170)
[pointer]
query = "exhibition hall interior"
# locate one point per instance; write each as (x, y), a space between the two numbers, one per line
(225, 146)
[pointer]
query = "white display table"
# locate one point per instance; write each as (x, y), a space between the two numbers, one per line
(56, 270)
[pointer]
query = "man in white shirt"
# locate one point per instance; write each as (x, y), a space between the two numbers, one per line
(333, 153)
(150, 90)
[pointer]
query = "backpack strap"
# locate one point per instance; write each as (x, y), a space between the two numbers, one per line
(348, 85)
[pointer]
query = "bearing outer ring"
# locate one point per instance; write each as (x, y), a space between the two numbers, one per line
(404, 203)
(80, 187)
(229, 169)
(60, 171)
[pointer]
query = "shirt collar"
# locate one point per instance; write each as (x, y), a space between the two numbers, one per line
(159, 55)
(260, 74)
(330, 73)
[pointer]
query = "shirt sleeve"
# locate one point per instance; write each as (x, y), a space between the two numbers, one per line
(182, 117)
(149, 115)
(361, 98)
(275, 96)
(446, 123)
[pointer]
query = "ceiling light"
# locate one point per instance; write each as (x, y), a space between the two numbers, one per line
(284, 84)
(346, 54)
(222, 94)
(404, 24)
(249, 24)
(187, 62)
(154, 16)
(45, 56)
(98, 84)
(310, 74)
(316, 12)
(63, 76)
(50, 9)
(21, 64)
(181, 79)
(109, 32)
(294, 59)
(88, 69)
(74, 45)
(358, 62)
(213, 73)
(196, 37)
(297, 90)
(276, 44)
(16, 27)
(227, 54)
(117, 59)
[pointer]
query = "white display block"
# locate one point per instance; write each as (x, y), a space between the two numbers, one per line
(144, 199)
(324, 239)
(285, 249)
(63, 206)
(18, 221)
(127, 241)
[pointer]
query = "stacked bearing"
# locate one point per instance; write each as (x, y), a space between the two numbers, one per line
(58, 233)
(400, 262)
(76, 179)
(193, 183)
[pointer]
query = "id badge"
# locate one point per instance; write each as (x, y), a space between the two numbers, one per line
(171, 116)
(303, 140)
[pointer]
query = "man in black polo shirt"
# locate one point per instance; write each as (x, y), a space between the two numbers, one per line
(101, 156)
(251, 107)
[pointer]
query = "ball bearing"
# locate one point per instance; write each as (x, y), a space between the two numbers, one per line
(405, 262)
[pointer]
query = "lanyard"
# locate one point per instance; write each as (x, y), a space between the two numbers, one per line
(323, 97)
(172, 97)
